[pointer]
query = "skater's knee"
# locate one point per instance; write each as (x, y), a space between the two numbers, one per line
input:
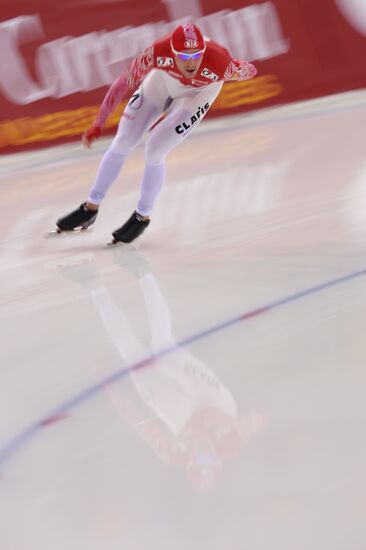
(155, 153)
(122, 145)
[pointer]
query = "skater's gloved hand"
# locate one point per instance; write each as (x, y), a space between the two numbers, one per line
(90, 135)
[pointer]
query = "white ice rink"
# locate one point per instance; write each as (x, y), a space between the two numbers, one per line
(204, 388)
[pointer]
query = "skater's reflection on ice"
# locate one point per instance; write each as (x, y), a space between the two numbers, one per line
(176, 404)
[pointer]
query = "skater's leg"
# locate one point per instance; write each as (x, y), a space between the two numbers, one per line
(108, 170)
(143, 110)
(130, 131)
(152, 182)
(166, 136)
(163, 138)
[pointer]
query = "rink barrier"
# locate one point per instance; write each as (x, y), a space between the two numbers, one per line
(53, 67)
(71, 123)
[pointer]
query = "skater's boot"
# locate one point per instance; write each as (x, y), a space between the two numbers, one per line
(133, 227)
(81, 218)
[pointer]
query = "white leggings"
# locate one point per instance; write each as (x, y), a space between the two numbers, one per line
(158, 93)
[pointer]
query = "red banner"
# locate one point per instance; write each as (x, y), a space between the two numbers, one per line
(57, 61)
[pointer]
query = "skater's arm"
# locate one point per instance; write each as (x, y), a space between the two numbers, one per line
(240, 70)
(112, 98)
(125, 83)
(128, 81)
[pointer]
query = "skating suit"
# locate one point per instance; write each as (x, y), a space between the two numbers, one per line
(217, 67)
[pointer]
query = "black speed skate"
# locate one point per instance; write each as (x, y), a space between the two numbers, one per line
(81, 218)
(132, 229)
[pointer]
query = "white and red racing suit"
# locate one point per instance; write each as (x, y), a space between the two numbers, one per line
(161, 89)
(217, 66)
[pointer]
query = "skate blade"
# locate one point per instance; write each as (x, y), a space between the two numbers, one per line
(128, 246)
(59, 233)
(113, 242)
